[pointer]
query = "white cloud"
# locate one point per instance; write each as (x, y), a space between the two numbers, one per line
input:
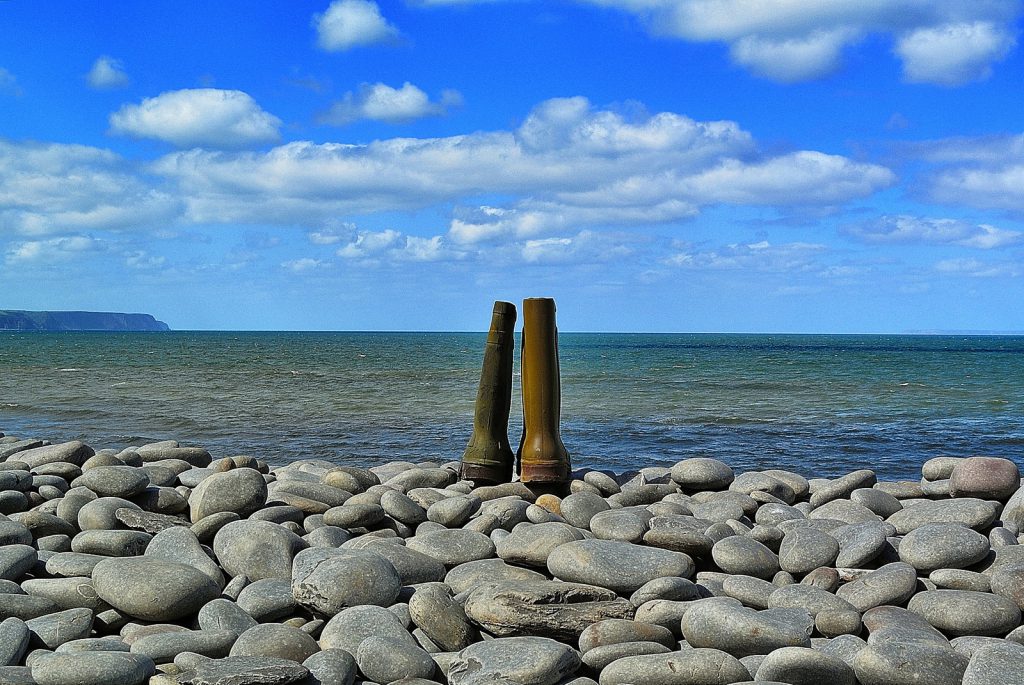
(352, 23)
(976, 268)
(48, 188)
(107, 73)
(333, 233)
(920, 230)
(940, 41)
(395, 246)
(984, 171)
(584, 247)
(142, 260)
(303, 265)
(567, 164)
(381, 102)
(369, 243)
(759, 256)
(51, 250)
(8, 83)
(205, 117)
(953, 54)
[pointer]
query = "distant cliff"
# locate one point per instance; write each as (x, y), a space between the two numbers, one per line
(14, 320)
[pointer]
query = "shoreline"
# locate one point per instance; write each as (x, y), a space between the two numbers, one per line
(163, 564)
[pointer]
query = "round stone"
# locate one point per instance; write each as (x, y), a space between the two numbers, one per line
(984, 477)
(689, 667)
(614, 631)
(577, 509)
(968, 511)
(256, 549)
(702, 473)
(242, 491)
(454, 546)
(803, 666)
(741, 555)
(618, 566)
(92, 668)
(961, 612)
(328, 580)
(441, 618)
(619, 524)
(453, 512)
(151, 589)
(723, 623)
(276, 640)
(942, 545)
(805, 549)
(530, 545)
(891, 584)
(386, 660)
(115, 481)
(350, 627)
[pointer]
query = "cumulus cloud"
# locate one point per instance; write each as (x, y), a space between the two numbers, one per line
(205, 117)
(381, 102)
(760, 256)
(392, 245)
(107, 73)
(567, 163)
(976, 268)
(947, 42)
(352, 23)
(48, 188)
(953, 54)
(985, 172)
(51, 250)
(303, 265)
(904, 229)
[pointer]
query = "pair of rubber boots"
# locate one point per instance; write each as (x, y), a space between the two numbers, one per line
(541, 459)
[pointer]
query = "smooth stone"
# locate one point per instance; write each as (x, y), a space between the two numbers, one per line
(577, 509)
(996, 664)
(680, 534)
(401, 507)
(453, 512)
(53, 630)
(475, 573)
(275, 640)
(832, 623)
(14, 533)
(453, 546)
(224, 615)
(825, 578)
(859, 543)
(843, 486)
(111, 543)
(152, 589)
(942, 546)
(386, 659)
(247, 670)
(672, 588)
(73, 452)
(751, 481)
(413, 567)
(509, 511)
(94, 644)
(329, 580)
(893, 584)
(92, 668)
(242, 491)
(908, 663)
(181, 545)
(43, 523)
(772, 514)
(114, 481)
(725, 624)
(602, 481)
(805, 549)
(350, 478)
(350, 627)
(844, 510)
(441, 618)
(24, 606)
(939, 468)
(531, 544)
(702, 473)
(547, 608)
(14, 641)
(16, 560)
(959, 579)
(619, 524)
(422, 478)
(618, 566)
(615, 631)
(804, 666)
(331, 667)
(985, 478)
(960, 612)
(522, 660)
(599, 657)
(689, 667)
(67, 593)
(257, 549)
(268, 599)
(814, 600)
(740, 555)
(968, 511)
(208, 527)
(878, 501)
(752, 592)
(163, 647)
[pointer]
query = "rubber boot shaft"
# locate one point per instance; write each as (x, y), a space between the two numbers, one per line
(488, 457)
(542, 457)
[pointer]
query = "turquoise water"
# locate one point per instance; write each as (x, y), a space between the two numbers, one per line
(819, 404)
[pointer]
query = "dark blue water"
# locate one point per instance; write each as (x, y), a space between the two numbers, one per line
(822, 405)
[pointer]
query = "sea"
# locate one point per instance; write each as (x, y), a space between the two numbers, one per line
(822, 405)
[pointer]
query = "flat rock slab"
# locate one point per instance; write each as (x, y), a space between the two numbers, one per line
(244, 670)
(545, 608)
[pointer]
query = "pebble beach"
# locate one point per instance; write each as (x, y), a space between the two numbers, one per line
(164, 564)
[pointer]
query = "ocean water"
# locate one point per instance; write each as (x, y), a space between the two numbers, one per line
(819, 404)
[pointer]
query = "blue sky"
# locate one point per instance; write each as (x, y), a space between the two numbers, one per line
(654, 165)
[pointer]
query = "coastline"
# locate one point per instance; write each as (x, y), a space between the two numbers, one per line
(163, 564)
